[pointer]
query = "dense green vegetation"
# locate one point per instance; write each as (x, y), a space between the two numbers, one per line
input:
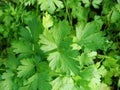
(59, 44)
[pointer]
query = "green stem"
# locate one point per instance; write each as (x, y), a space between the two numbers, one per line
(37, 8)
(2, 69)
(68, 14)
(104, 56)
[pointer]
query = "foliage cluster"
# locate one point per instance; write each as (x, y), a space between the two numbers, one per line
(59, 44)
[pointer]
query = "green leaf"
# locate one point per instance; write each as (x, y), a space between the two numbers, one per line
(47, 21)
(48, 42)
(8, 81)
(7, 75)
(59, 53)
(104, 86)
(73, 4)
(115, 16)
(50, 5)
(90, 36)
(63, 83)
(39, 81)
(87, 58)
(102, 71)
(90, 79)
(27, 2)
(62, 61)
(26, 69)
(86, 2)
(57, 42)
(59, 4)
(12, 62)
(80, 13)
(55, 37)
(118, 1)
(108, 78)
(7, 20)
(28, 35)
(87, 73)
(60, 32)
(32, 31)
(22, 48)
(107, 6)
(96, 3)
(36, 28)
(119, 83)
(83, 85)
(6, 85)
(117, 6)
(1, 13)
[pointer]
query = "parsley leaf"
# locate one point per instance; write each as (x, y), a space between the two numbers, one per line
(36, 28)
(8, 82)
(27, 2)
(62, 61)
(26, 69)
(55, 37)
(47, 21)
(96, 3)
(39, 81)
(57, 42)
(22, 48)
(50, 5)
(90, 36)
(63, 83)
(29, 35)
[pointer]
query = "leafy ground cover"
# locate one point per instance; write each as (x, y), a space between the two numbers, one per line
(59, 44)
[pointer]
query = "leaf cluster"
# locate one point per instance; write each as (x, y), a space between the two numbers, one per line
(59, 44)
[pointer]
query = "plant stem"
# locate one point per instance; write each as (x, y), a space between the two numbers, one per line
(1, 69)
(37, 8)
(104, 56)
(67, 15)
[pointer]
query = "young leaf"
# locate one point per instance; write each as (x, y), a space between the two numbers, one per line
(47, 21)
